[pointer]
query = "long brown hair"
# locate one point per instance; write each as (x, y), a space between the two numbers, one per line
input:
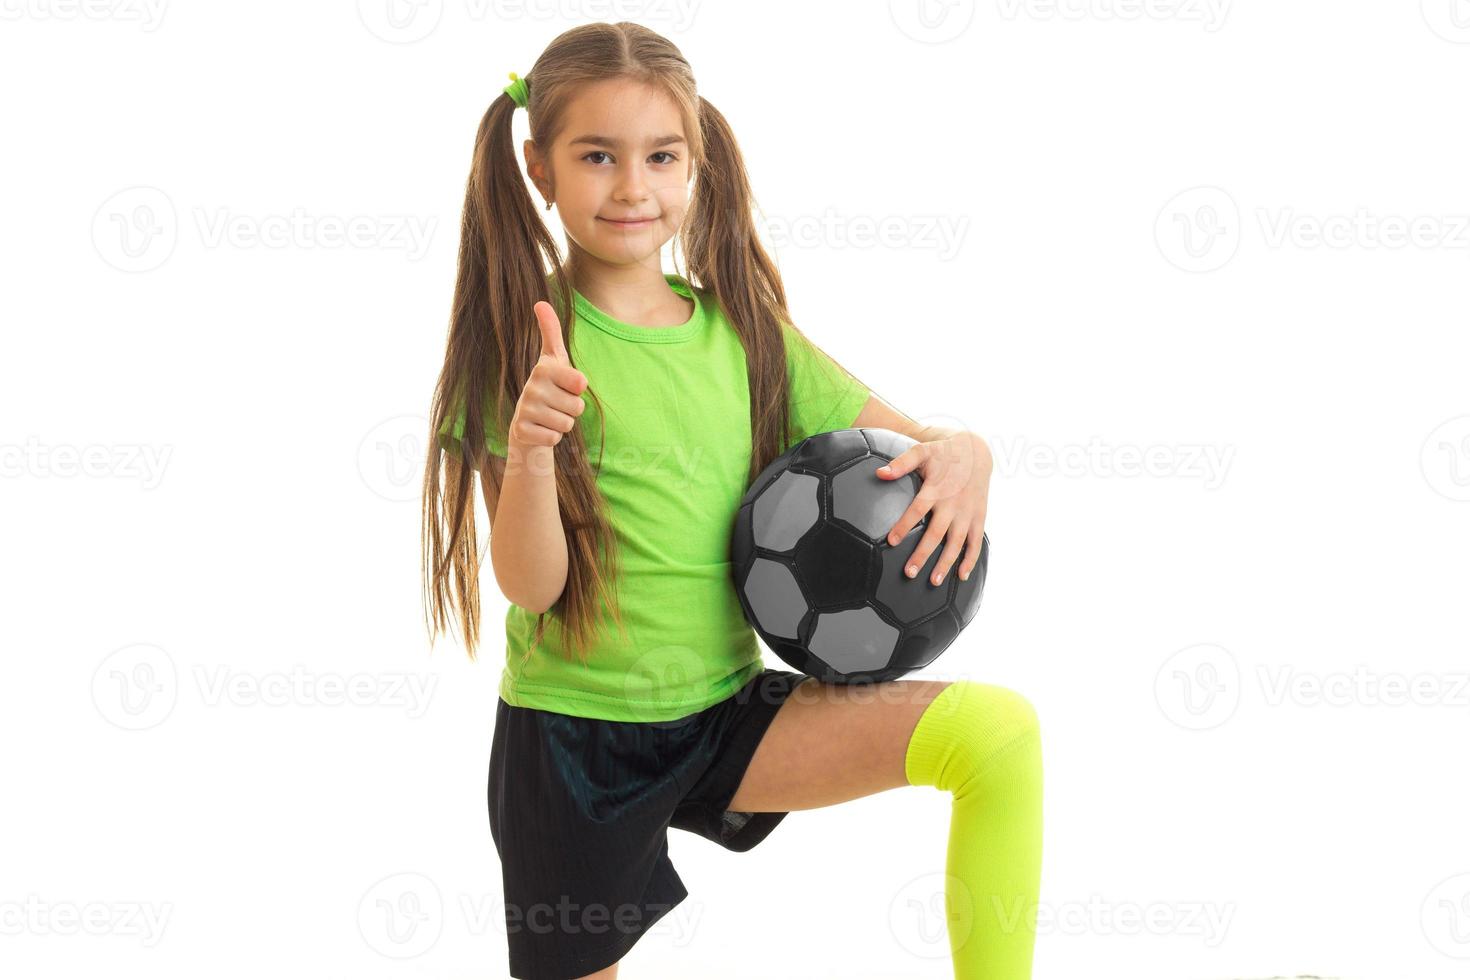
(505, 250)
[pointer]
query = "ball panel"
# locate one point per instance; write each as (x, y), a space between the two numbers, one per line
(775, 598)
(853, 640)
(785, 510)
(764, 478)
(868, 502)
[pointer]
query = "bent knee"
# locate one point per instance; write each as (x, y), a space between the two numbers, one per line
(1009, 714)
(967, 730)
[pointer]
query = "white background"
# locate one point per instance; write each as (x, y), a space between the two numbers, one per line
(1230, 238)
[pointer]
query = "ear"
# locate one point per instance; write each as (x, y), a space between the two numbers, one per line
(536, 167)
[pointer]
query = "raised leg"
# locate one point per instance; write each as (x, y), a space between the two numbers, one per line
(980, 742)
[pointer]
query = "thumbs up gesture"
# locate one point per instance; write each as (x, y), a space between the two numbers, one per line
(551, 400)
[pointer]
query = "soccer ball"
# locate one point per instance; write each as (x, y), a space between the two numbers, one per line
(816, 576)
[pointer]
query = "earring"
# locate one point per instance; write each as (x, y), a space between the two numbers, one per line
(548, 205)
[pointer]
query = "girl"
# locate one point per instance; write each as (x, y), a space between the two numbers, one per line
(624, 412)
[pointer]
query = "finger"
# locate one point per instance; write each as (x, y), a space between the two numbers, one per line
(553, 418)
(563, 375)
(914, 513)
(551, 338)
(954, 543)
(972, 556)
(904, 462)
(544, 426)
(567, 403)
(930, 540)
(531, 434)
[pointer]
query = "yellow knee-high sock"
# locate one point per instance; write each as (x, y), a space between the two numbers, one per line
(983, 744)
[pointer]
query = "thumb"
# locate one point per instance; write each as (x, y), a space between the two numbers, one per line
(551, 338)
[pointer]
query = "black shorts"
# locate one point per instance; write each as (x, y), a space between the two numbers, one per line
(580, 810)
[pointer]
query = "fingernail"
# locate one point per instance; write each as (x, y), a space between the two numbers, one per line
(938, 579)
(912, 570)
(964, 576)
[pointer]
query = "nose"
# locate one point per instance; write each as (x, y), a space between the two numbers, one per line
(631, 188)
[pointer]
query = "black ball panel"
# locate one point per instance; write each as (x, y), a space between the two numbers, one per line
(887, 443)
(741, 543)
(834, 565)
(826, 452)
(921, 644)
(911, 599)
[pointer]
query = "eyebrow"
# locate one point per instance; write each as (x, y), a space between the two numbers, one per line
(596, 140)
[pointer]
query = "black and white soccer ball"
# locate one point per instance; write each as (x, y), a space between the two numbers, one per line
(815, 573)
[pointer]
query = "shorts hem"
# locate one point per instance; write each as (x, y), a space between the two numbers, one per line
(732, 767)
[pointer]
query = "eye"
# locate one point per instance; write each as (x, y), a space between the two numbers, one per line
(672, 157)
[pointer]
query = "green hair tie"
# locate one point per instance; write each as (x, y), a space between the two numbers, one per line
(518, 90)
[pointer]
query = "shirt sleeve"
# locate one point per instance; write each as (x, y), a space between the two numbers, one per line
(451, 434)
(824, 396)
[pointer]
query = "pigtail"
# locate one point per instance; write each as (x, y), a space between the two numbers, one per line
(492, 347)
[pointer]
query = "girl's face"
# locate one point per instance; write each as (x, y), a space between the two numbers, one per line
(618, 171)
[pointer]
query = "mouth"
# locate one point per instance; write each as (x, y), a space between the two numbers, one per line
(633, 223)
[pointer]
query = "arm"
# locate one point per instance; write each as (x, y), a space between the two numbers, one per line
(529, 552)
(878, 414)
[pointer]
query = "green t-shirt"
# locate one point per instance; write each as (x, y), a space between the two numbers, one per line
(674, 466)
